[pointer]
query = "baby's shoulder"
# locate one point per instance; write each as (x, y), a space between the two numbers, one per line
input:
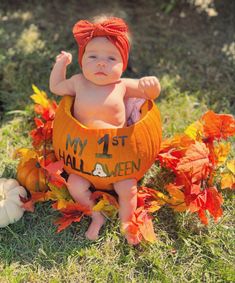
(77, 78)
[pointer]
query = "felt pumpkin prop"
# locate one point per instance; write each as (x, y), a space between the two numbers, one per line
(105, 156)
(10, 203)
(32, 176)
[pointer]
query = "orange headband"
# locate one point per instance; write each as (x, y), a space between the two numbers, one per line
(115, 29)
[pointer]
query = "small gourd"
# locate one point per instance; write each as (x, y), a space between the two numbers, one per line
(10, 203)
(32, 176)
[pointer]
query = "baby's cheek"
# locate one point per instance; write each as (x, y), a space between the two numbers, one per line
(117, 71)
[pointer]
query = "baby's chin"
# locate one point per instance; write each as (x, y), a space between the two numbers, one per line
(102, 81)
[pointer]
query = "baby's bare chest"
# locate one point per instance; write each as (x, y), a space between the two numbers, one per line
(101, 103)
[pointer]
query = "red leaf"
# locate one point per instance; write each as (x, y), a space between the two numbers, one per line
(214, 201)
(202, 215)
(54, 170)
(28, 204)
(72, 213)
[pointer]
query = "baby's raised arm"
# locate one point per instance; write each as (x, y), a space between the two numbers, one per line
(146, 87)
(58, 83)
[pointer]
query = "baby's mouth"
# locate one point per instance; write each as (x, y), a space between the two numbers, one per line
(100, 74)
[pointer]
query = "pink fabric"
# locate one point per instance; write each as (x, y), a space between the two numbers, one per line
(133, 106)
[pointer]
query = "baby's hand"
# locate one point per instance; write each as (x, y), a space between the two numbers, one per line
(150, 86)
(64, 57)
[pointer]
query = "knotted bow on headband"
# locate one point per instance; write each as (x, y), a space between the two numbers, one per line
(115, 29)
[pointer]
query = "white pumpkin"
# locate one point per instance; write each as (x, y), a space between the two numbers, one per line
(10, 203)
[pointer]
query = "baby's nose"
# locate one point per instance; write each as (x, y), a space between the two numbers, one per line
(101, 64)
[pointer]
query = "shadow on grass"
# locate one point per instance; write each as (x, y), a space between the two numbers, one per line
(184, 42)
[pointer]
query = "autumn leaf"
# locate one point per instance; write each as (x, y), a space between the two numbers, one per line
(202, 216)
(72, 213)
(59, 194)
(42, 133)
(39, 97)
(177, 197)
(195, 161)
(39, 196)
(227, 181)
(26, 154)
(146, 229)
(27, 203)
(179, 141)
(217, 126)
(106, 203)
(54, 170)
(213, 203)
(228, 178)
(221, 152)
(139, 227)
(208, 199)
(194, 131)
(149, 199)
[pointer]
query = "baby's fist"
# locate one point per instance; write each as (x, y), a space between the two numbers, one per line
(65, 57)
(150, 86)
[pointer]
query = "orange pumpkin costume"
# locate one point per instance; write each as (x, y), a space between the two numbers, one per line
(106, 156)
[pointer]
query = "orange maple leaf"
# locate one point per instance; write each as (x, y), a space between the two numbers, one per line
(180, 141)
(140, 227)
(149, 199)
(217, 126)
(195, 162)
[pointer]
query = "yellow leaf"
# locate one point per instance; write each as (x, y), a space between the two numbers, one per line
(231, 166)
(25, 155)
(107, 209)
(62, 203)
(161, 196)
(99, 206)
(227, 180)
(147, 231)
(56, 193)
(35, 89)
(194, 131)
(155, 206)
(221, 152)
(40, 97)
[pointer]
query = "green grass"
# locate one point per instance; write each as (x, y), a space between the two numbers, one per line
(193, 58)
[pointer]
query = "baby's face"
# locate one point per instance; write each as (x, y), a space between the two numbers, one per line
(102, 62)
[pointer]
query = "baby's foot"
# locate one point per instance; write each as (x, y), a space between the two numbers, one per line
(131, 237)
(97, 222)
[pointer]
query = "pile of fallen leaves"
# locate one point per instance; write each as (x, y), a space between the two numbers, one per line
(199, 160)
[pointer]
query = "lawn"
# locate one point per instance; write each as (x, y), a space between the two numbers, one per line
(190, 46)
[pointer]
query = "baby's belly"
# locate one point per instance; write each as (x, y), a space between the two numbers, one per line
(102, 123)
(99, 124)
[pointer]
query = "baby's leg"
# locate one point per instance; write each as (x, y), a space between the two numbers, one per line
(127, 194)
(79, 190)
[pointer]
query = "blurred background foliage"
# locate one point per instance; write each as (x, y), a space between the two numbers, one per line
(188, 44)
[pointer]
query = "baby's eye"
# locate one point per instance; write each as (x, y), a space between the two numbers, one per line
(92, 57)
(112, 58)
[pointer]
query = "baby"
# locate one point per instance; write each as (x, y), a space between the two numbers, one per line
(100, 93)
